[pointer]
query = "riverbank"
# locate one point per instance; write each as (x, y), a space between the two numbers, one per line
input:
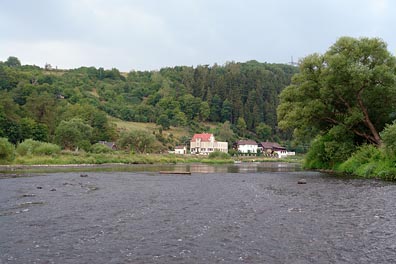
(93, 159)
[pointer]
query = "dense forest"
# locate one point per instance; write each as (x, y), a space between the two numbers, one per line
(61, 106)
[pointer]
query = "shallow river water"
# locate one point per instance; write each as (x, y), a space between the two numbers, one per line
(238, 213)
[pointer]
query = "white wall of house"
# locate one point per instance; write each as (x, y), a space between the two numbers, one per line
(207, 147)
(247, 148)
(282, 154)
(181, 151)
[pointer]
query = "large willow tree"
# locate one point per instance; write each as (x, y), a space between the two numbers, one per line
(351, 86)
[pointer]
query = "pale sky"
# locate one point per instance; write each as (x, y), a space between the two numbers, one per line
(151, 34)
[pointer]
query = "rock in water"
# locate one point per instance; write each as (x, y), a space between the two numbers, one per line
(83, 175)
(302, 181)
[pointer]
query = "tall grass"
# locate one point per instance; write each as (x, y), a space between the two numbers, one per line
(370, 162)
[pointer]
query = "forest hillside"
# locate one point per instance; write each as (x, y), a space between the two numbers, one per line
(79, 107)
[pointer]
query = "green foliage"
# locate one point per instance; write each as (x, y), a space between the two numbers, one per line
(27, 147)
(331, 149)
(33, 147)
(225, 132)
(263, 131)
(46, 148)
(363, 156)
(241, 126)
(163, 121)
(35, 101)
(138, 141)
(388, 136)
(12, 62)
(100, 148)
(345, 86)
(73, 134)
(370, 162)
(316, 157)
(219, 155)
(7, 150)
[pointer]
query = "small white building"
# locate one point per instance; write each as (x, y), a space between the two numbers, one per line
(247, 146)
(205, 144)
(181, 150)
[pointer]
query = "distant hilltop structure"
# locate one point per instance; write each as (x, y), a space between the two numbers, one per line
(292, 62)
(48, 67)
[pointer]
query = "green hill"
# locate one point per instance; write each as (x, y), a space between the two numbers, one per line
(78, 107)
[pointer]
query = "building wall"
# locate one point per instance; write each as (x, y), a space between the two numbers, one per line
(247, 148)
(205, 147)
(181, 151)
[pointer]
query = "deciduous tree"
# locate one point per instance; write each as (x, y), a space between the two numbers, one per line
(352, 85)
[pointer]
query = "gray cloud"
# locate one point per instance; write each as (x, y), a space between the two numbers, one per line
(151, 34)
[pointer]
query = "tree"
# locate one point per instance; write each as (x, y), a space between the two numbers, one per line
(225, 132)
(215, 108)
(352, 85)
(241, 126)
(204, 111)
(263, 131)
(42, 108)
(140, 141)
(163, 121)
(226, 111)
(73, 133)
(31, 129)
(12, 62)
(7, 150)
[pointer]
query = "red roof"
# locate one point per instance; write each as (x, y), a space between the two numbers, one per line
(203, 137)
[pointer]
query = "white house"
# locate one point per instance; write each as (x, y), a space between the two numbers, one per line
(180, 150)
(205, 144)
(247, 146)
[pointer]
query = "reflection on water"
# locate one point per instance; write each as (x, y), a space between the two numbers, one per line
(247, 167)
(244, 167)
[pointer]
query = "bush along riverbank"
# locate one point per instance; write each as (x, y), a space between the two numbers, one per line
(370, 162)
(367, 160)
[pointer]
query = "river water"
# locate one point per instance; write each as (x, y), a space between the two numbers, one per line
(238, 213)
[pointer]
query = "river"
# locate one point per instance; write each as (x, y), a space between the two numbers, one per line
(239, 213)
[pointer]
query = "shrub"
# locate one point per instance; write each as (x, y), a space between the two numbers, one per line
(27, 147)
(388, 136)
(219, 155)
(33, 147)
(364, 162)
(389, 175)
(100, 148)
(315, 157)
(47, 149)
(7, 150)
(329, 150)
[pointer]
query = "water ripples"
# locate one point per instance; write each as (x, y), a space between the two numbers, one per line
(244, 217)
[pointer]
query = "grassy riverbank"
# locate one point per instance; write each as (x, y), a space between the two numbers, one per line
(370, 162)
(75, 158)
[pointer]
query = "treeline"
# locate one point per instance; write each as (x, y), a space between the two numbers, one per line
(50, 105)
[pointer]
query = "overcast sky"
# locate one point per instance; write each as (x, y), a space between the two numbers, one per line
(150, 34)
